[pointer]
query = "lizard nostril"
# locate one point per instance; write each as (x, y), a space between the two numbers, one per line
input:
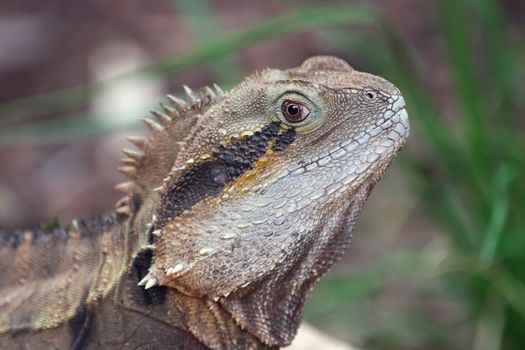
(371, 95)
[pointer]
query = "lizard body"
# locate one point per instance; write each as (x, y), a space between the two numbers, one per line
(238, 203)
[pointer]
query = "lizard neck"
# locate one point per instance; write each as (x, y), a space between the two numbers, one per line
(198, 318)
(265, 314)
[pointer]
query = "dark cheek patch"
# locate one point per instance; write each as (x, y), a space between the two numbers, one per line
(139, 269)
(80, 327)
(207, 179)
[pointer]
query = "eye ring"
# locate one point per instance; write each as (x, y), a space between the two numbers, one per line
(293, 111)
(371, 95)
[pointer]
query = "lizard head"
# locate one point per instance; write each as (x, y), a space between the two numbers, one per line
(265, 184)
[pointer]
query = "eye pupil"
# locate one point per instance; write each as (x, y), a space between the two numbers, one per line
(370, 95)
(293, 109)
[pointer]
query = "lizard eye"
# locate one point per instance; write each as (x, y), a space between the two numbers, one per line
(294, 112)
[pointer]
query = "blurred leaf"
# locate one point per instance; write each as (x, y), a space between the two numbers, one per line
(304, 18)
(51, 225)
(499, 212)
(203, 24)
(502, 281)
(501, 62)
(335, 291)
(453, 14)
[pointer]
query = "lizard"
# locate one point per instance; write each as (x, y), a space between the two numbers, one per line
(236, 204)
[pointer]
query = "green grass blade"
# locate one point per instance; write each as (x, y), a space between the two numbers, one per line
(500, 59)
(304, 18)
(507, 285)
(202, 24)
(499, 212)
(467, 85)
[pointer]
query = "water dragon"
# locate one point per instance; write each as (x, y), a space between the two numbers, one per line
(236, 204)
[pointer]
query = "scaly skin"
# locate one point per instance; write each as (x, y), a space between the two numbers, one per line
(238, 204)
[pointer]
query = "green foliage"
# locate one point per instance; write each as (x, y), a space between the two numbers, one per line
(469, 168)
(475, 162)
(25, 109)
(51, 225)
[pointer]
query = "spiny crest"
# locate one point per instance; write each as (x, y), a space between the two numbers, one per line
(152, 161)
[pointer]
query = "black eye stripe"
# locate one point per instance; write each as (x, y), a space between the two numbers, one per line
(208, 178)
(283, 140)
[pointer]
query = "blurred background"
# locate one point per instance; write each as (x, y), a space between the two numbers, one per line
(438, 257)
